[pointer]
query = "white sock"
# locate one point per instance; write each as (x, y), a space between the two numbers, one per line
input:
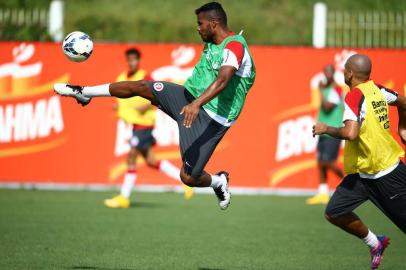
(216, 181)
(323, 189)
(169, 169)
(128, 184)
(101, 90)
(371, 240)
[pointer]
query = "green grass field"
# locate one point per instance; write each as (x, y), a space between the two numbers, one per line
(73, 230)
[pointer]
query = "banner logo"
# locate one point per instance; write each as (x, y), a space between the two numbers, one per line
(30, 116)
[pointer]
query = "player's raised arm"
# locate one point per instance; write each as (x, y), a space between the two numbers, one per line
(191, 110)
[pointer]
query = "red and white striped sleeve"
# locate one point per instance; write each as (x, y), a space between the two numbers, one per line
(233, 54)
(353, 105)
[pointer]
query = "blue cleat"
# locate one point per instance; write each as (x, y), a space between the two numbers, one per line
(377, 252)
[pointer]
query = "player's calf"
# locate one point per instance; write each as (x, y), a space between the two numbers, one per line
(127, 89)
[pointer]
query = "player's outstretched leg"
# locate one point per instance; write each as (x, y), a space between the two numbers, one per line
(219, 182)
(352, 224)
(126, 89)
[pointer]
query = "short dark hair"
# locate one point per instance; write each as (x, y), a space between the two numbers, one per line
(133, 51)
(216, 11)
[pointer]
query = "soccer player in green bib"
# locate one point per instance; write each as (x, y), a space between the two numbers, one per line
(205, 107)
(330, 113)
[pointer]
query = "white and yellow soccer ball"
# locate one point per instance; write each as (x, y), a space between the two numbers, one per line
(77, 46)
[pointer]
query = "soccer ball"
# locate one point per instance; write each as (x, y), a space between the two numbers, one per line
(77, 46)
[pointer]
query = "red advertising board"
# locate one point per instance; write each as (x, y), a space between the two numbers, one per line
(48, 139)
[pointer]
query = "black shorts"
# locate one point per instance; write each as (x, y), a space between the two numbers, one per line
(142, 139)
(388, 193)
(197, 143)
(328, 148)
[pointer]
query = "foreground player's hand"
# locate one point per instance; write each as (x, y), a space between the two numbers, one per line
(190, 113)
(319, 129)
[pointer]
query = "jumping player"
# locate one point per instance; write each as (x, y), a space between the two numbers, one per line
(205, 107)
(141, 114)
(371, 157)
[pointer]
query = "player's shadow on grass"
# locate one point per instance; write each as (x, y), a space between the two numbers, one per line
(138, 204)
(84, 267)
(106, 268)
(208, 268)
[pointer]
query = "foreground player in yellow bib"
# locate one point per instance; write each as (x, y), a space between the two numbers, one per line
(371, 157)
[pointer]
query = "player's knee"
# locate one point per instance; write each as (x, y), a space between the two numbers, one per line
(131, 156)
(131, 160)
(327, 216)
(188, 180)
(323, 164)
(330, 217)
(330, 164)
(152, 164)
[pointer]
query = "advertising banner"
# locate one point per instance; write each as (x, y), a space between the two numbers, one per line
(45, 138)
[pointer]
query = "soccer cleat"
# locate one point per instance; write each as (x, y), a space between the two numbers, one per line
(318, 199)
(118, 201)
(72, 91)
(222, 193)
(377, 252)
(188, 192)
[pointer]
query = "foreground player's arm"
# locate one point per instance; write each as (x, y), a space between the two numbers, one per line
(191, 110)
(349, 131)
(352, 119)
(233, 55)
(400, 103)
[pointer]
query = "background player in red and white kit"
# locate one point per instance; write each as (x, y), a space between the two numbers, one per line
(141, 114)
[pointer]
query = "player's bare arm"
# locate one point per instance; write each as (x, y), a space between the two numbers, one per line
(191, 110)
(349, 131)
(400, 103)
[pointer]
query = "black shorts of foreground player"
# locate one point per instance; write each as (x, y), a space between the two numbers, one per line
(205, 107)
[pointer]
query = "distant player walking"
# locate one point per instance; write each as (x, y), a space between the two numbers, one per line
(331, 114)
(140, 113)
(205, 107)
(371, 157)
